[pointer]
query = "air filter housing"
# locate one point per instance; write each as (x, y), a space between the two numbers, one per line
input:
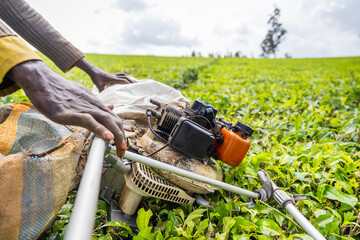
(141, 182)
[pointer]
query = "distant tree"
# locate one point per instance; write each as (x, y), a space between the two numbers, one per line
(193, 54)
(211, 55)
(199, 54)
(287, 55)
(239, 54)
(274, 36)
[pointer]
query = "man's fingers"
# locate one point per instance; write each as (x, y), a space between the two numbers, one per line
(124, 76)
(118, 81)
(130, 80)
(121, 147)
(122, 143)
(87, 121)
(120, 74)
(114, 125)
(110, 106)
(104, 125)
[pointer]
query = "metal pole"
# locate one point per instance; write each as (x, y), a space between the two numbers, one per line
(117, 164)
(304, 223)
(201, 201)
(169, 168)
(285, 201)
(83, 215)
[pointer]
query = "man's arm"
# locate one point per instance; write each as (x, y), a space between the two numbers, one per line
(30, 25)
(62, 101)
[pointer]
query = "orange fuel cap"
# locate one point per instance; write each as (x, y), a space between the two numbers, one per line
(235, 145)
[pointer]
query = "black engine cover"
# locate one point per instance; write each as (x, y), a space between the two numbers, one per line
(191, 138)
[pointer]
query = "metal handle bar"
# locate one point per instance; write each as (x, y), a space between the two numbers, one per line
(285, 201)
(83, 215)
(169, 168)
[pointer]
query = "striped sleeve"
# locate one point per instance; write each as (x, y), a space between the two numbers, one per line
(31, 26)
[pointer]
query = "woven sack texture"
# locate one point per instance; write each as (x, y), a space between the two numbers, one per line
(38, 167)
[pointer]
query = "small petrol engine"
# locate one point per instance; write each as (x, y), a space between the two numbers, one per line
(197, 132)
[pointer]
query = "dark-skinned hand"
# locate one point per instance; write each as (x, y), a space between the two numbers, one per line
(67, 102)
(100, 77)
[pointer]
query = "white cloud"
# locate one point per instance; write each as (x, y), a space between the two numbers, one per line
(130, 6)
(316, 28)
(156, 31)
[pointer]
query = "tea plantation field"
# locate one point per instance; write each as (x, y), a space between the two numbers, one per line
(305, 113)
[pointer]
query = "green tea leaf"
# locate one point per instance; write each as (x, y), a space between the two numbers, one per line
(228, 224)
(143, 218)
(146, 233)
(245, 224)
(198, 213)
(268, 227)
(334, 194)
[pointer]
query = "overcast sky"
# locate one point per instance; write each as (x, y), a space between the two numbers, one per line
(315, 28)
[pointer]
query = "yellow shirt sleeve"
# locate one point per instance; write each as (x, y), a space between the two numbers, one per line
(12, 52)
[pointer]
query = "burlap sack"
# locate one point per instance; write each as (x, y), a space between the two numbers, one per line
(38, 162)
